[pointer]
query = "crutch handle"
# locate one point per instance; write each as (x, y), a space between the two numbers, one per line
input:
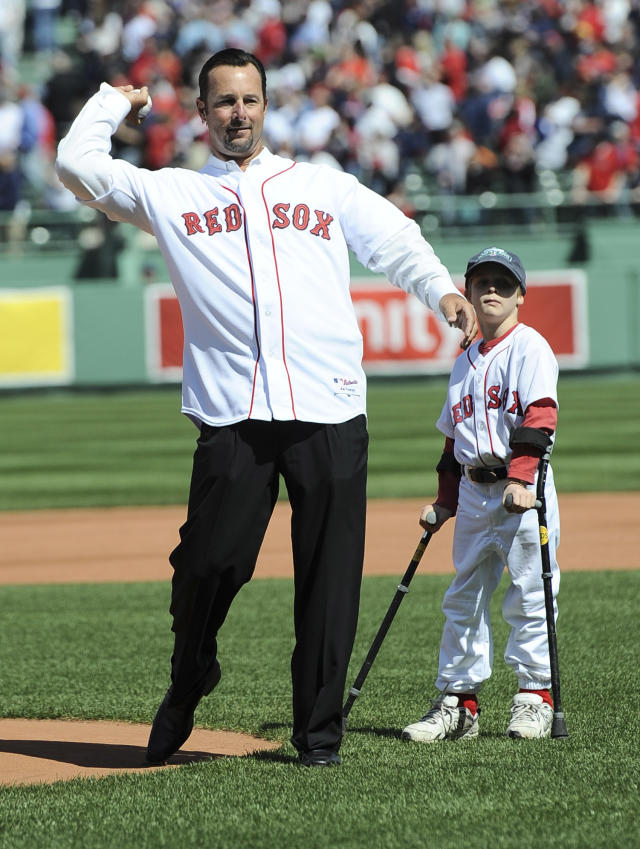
(508, 501)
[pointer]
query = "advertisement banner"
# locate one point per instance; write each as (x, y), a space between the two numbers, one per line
(36, 337)
(400, 335)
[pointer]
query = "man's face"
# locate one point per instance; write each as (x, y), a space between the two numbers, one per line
(234, 112)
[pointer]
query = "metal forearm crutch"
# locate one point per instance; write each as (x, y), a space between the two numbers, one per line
(558, 726)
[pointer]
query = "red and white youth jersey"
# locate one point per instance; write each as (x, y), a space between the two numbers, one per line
(259, 260)
(488, 394)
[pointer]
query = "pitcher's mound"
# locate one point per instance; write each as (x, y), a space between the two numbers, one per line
(38, 751)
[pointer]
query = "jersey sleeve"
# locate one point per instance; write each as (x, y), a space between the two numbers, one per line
(543, 415)
(538, 370)
(448, 478)
(85, 166)
(386, 241)
(444, 423)
(538, 397)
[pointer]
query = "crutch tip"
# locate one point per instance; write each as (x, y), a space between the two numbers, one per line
(559, 726)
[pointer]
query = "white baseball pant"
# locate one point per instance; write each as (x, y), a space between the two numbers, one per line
(486, 540)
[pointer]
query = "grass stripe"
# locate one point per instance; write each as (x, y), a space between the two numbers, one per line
(131, 448)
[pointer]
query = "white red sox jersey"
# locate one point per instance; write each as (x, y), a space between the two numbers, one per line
(488, 394)
(259, 260)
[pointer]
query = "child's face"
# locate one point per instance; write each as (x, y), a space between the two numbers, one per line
(496, 296)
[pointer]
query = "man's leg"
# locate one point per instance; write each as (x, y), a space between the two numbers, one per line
(234, 488)
(325, 468)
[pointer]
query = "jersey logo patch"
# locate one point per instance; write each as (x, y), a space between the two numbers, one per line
(346, 386)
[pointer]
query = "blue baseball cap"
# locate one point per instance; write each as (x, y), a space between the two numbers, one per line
(510, 261)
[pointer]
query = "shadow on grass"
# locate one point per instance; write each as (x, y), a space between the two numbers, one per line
(96, 755)
(376, 732)
(273, 757)
(364, 729)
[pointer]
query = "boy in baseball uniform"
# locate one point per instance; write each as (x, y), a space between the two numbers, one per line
(498, 420)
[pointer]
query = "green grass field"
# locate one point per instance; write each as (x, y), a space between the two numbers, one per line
(102, 652)
(93, 449)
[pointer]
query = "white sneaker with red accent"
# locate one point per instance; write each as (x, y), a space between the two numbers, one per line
(446, 720)
(531, 716)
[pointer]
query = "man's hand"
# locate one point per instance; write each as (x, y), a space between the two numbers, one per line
(139, 100)
(522, 499)
(459, 313)
(441, 514)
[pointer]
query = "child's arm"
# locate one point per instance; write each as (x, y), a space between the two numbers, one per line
(446, 502)
(528, 443)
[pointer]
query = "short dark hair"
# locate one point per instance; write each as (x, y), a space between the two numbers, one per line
(230, 56)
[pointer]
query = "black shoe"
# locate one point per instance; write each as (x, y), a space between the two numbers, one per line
(170, 730)
(319, 757)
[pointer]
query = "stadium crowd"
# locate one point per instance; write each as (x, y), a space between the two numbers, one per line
(475, 94)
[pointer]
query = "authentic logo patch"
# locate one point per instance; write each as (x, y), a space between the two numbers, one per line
(346, 386)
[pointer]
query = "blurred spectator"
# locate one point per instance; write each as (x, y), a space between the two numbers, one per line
(12, 17)
(156, 61)
(37, 142)
(481, 171)
(518, 164)
(620, 98)
(448, 161)
(102, 32)
(11, 120)
(137, 31)
(556, 133)
(602, 173)
(271, 37)
(453, 62)
(434, 103)
(313, 32)
(389, 100)
(44, 15)
(317, 121)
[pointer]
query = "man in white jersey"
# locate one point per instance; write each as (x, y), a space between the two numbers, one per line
(498, 420)
(257, 248)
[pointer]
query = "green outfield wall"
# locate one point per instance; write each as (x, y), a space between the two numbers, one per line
(98, 332)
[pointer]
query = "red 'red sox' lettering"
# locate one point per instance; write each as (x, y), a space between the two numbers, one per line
(232, 220)
(211, 218)
(496, 398)
(233, 217)
(210, 221)
(281, 218)
(192, 223)
(322, 227)
(462, 410)
(301, 218)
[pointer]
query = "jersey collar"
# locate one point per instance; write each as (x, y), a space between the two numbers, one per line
(213, 164)
(485, 347)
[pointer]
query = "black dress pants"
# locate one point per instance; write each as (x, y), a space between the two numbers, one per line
(234, 487)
